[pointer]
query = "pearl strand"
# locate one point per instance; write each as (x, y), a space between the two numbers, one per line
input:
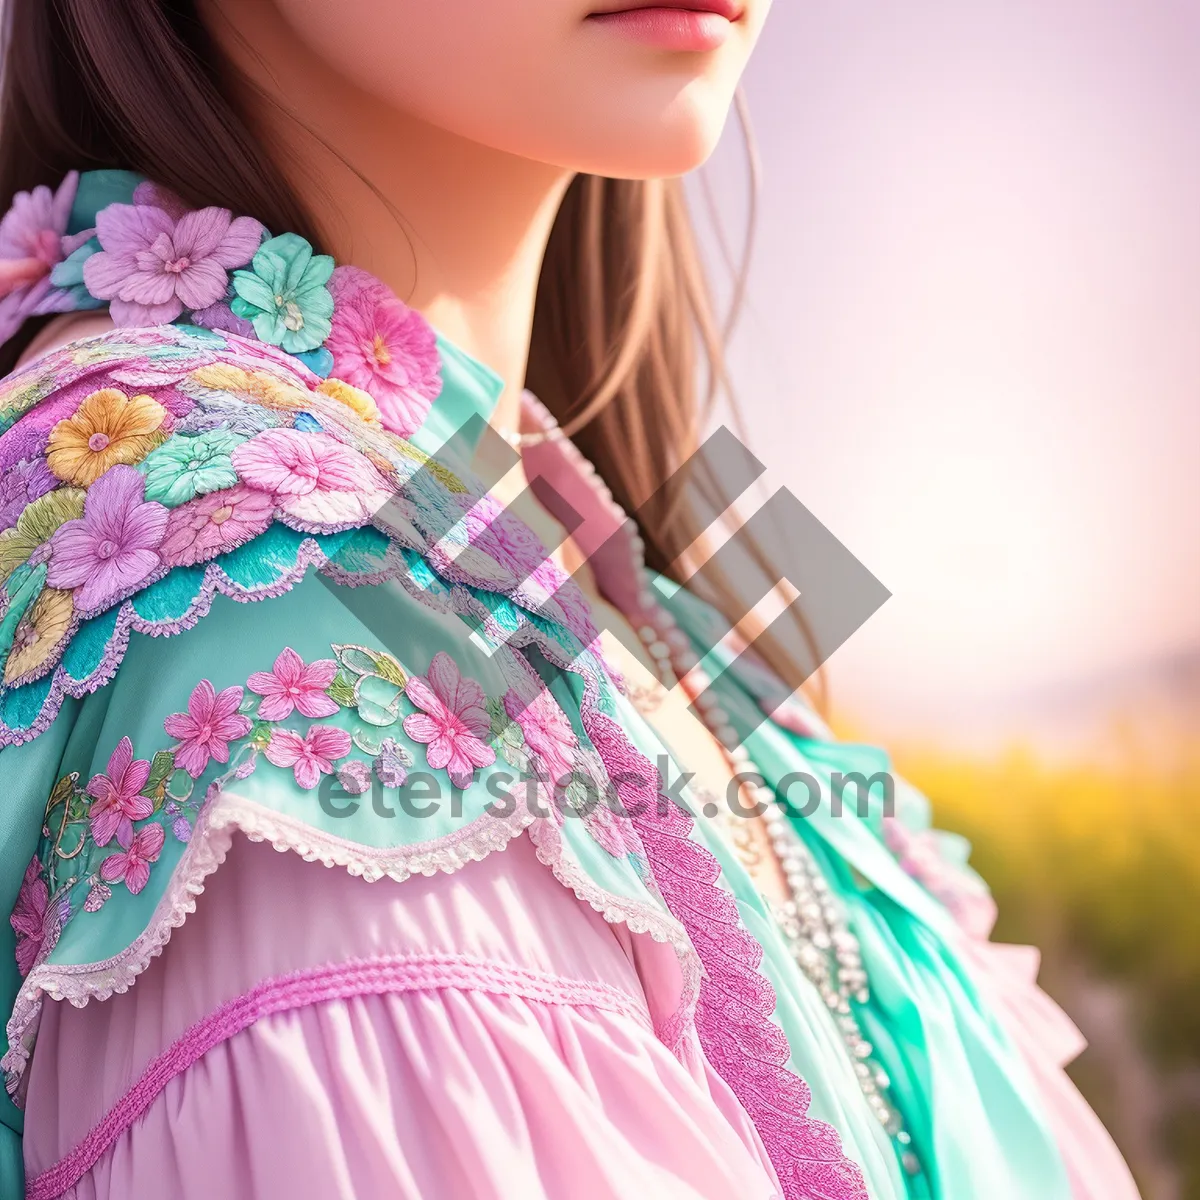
(818, 935)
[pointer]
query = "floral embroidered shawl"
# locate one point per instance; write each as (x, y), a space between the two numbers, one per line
(158, 478)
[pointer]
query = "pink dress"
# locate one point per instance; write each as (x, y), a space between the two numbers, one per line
(482, 1034)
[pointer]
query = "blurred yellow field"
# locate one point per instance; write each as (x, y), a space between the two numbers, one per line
(1100, 867)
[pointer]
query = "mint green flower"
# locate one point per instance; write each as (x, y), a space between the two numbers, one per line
(188, 466)
(284, 294)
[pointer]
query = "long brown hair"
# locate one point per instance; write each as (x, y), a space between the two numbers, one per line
(623, 321)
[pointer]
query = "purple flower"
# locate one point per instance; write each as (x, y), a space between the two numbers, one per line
(355, 777)
(220, 316)
(391, 764)
(153, 265)
(113, 547)
(21, 486)
(29, 917)
(32, 242)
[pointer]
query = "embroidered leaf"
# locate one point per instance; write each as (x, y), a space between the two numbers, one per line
(341, 690)
(72, 836)
(260, 733)
(507, 737)
(161, 768)
(356, 659)
(378, 700)
(78, 806)
(46, 514)
(386, 667)
(179, 785)
(62, 791)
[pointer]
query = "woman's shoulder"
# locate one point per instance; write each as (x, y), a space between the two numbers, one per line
(144, 471)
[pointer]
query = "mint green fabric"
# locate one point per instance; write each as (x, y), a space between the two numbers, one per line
(967, 1099)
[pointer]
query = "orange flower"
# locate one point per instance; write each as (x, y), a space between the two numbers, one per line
(42, 630)
(108, 428)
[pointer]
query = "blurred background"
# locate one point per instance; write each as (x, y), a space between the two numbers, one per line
(972, 348)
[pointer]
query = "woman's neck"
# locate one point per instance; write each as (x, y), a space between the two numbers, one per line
(456, 229)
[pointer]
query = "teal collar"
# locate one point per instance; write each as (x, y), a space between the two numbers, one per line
(469, 389)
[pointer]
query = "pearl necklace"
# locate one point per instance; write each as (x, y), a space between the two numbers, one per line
(816, 931)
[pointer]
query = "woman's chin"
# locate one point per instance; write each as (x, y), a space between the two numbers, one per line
(641, 143)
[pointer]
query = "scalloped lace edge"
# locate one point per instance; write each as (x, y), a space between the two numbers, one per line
(216, 581)
(228, 814)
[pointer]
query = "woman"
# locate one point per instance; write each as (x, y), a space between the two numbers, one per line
(256, 599)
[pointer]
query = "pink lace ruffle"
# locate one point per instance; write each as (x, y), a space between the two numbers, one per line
(733, 1016)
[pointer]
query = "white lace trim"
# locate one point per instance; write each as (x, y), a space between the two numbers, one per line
(228, 813)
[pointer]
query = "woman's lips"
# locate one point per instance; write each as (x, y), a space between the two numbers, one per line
(695, 25)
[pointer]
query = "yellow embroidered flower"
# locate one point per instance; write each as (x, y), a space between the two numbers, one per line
(108, 428)
(353, 398)
(222, 378)
(259, 386)
(42, 630)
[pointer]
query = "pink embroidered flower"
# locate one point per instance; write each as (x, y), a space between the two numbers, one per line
(503, 535)
(548, 732)
(310, 756)
(29, 917)
(314, 479)
(153, 265)
(116, 798)
(132, 866)
(355, 777)
(113, 548)
(32, 242)
(210, 525)
(455, 720)
(381, 345)
(292, 684)
(211, 722)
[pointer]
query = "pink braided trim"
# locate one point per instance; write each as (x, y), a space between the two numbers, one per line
(733, 1015)
(386, 975)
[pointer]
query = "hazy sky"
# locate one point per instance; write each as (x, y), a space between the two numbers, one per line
(973, 343)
